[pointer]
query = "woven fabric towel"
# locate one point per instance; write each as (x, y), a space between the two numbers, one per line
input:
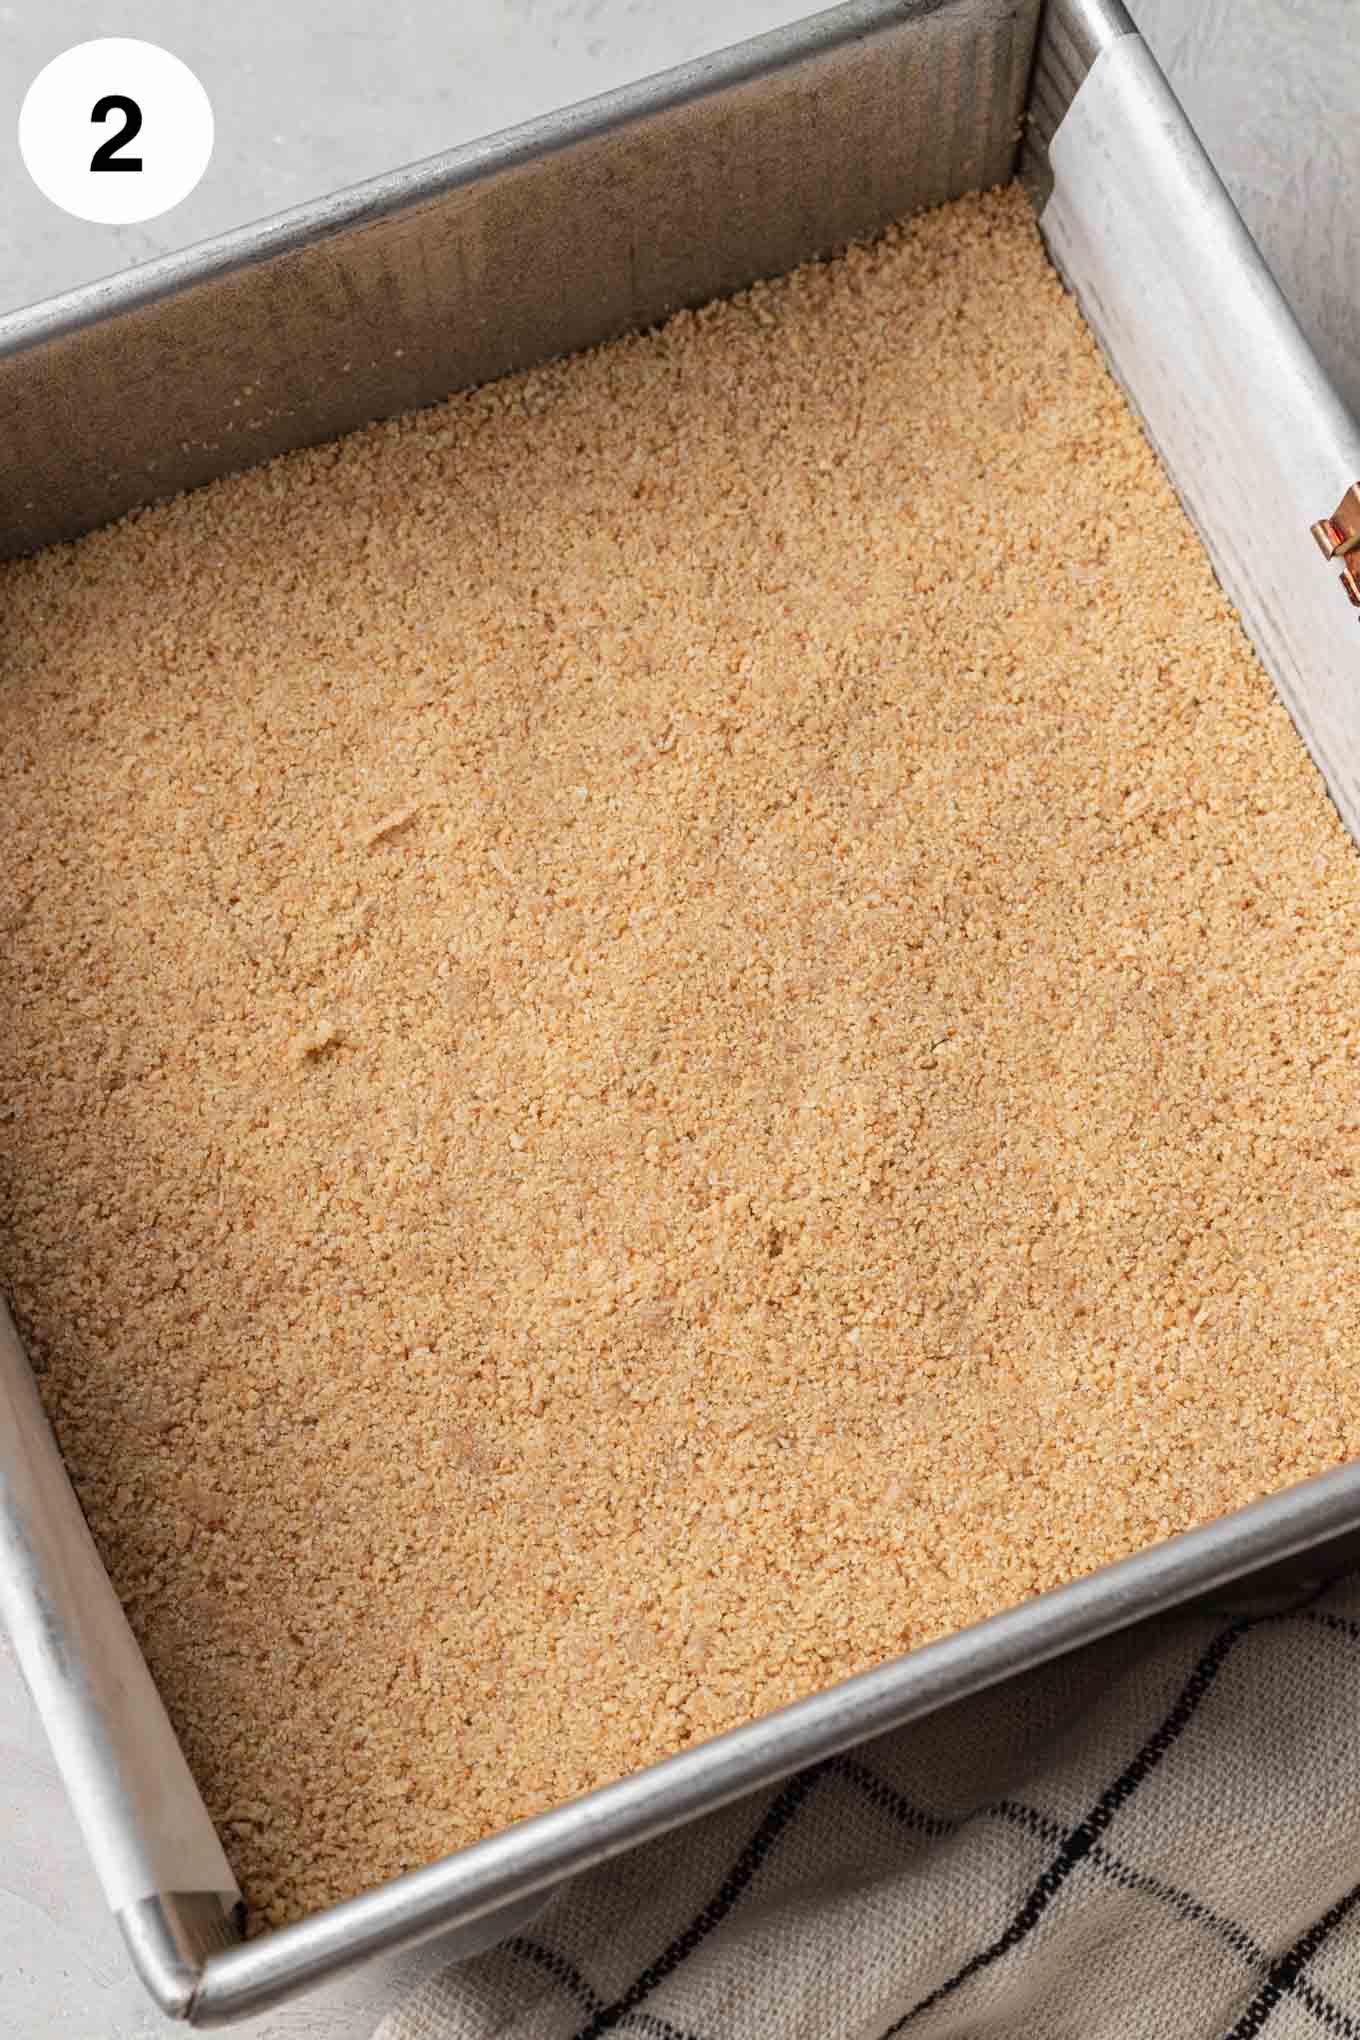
(1156, 1837)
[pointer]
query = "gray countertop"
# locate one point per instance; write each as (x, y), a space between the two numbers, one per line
(311, 96)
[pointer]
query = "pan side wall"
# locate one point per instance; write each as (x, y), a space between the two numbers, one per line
(543, 240)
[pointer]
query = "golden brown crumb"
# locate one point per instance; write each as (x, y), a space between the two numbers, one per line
(842, 1105)
(315, 1041)
(390, 826)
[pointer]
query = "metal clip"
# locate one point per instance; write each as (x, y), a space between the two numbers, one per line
(1338, 538)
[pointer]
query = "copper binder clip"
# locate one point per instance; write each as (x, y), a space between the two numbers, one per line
(1338, 538)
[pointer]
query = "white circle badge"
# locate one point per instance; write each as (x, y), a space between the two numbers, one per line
(116, 131)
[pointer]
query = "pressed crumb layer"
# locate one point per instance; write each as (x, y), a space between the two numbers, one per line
(666, 1029)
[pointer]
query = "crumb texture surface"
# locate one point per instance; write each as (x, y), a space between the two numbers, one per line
(666, 1030)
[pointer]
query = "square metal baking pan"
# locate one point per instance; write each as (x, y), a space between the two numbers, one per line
(536, 242)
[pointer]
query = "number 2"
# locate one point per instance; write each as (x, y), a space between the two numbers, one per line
(105, 156)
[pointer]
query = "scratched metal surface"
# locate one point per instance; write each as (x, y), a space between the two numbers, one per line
(1271, 85)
